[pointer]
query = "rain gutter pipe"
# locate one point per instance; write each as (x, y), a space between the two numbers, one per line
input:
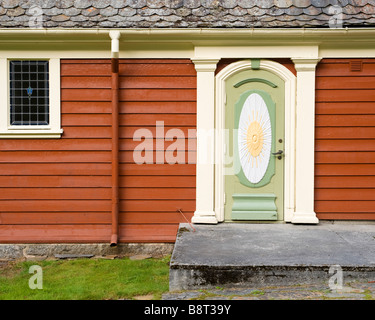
(115, 36)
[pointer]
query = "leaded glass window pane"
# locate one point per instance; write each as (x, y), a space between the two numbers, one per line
(29, 92)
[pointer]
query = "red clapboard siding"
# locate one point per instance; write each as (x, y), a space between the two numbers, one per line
(163, 91)
(60, 190)
(27, 193)
(288, 63)
(345, 194)
(345, 140)
(344, 107)
(86, 233)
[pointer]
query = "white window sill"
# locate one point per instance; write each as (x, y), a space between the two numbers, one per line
(31, 134)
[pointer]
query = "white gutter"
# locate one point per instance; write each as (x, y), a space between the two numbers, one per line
(305, 32)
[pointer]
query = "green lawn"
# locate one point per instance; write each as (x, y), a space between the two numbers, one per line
(85, 279)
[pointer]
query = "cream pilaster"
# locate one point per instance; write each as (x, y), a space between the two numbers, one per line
(205, 189)
(305, 139)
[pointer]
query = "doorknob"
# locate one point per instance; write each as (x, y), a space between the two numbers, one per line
(278, 154)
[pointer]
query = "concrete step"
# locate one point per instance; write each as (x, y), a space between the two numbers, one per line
(240, 255)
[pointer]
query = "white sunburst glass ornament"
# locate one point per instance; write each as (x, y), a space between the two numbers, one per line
(254, 138)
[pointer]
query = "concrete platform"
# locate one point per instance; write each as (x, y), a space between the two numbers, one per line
(240, 255)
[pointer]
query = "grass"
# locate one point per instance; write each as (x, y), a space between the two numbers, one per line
(86, 279)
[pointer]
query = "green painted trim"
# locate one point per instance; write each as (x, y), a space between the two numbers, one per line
(254, 207)
(255, 64)
(271, 106)
(271, 84)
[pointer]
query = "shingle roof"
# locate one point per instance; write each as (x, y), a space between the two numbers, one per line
(186, 13)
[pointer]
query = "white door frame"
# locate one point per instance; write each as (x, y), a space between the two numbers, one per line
(290, 132)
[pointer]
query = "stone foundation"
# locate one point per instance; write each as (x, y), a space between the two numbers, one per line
(45, 251)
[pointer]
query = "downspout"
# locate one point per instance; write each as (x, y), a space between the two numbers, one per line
(115, 36)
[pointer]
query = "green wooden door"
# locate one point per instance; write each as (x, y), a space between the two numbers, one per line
(254, 117)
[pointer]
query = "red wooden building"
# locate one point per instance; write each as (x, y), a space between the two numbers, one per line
(105, 116)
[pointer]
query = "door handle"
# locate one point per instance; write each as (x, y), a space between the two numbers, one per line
(278, 154)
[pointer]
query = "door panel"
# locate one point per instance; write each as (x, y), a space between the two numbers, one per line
(254, 176)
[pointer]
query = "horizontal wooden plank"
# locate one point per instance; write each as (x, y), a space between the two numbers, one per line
(346, 82)
(157, 69)
(158, 156)
(100, 107)
(55, 205)
(84, 61)
(344, 107)
(61, 144)
(344, 95)
(180, 145)
(46, 169)
(37, 193)
(158, 193)
(129, 119)
(345, 206)
(345, 216)
(55, 156)
(158, 95)
(86, 107)
(86, 233)
(85, 82)
(157, 82)
(345, 133)
(344, 169)
(344, 194)
(77, 119)
(128, 61)
(169, 157)
(95, 205)
(157, 205)
(135, 67)
(342, 69)
(129, 95)
(94, 169)
(91, 132)
(55, 233)
(90, 68)
(177, 120)
(79, 193)
(345, 145)
(98, 144)
(55, 218)
(105, 157)
(97, 218)
(147, 232)
(345, 60)
(338, 182)
(158, 107)
(94, 181)
(86, 95)
(73, 132)
(364, 120)
(157, 181)
(158, 132)
(155, 61)
(55, 181)
(158, 169)
(344, 157)
(155, 217)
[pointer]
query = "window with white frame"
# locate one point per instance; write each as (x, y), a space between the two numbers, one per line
(31, 104)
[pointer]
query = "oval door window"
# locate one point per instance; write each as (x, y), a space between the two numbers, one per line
(254, 138)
